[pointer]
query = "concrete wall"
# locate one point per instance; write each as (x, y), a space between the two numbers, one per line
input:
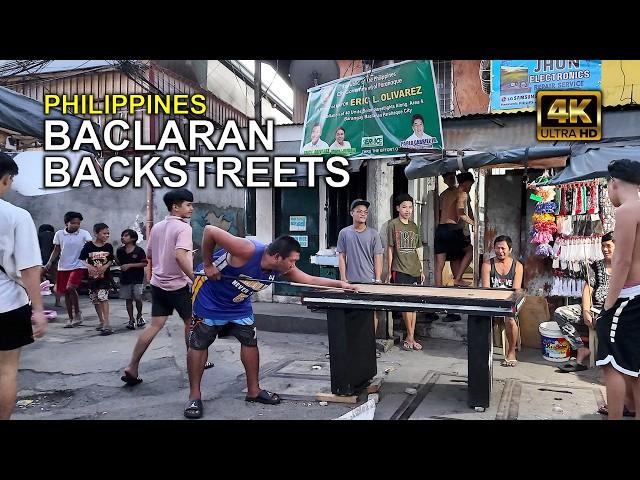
(467, 90)
(126, 208)
(503, 210)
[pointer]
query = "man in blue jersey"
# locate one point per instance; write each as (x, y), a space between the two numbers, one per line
(222, 302)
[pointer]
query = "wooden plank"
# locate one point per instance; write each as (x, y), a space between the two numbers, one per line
(374, 386)
(452, 292)
(330, 397)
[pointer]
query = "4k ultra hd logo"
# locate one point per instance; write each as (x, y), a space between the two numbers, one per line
(569, 115)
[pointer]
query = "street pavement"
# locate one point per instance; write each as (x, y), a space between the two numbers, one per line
(75, 374)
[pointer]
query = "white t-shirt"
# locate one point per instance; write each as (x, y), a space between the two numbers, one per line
(337, 146)
(19, 250)
(321, 145)
(425, 141)
(70, 247)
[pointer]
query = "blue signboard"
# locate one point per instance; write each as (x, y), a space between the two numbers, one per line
(514, 83)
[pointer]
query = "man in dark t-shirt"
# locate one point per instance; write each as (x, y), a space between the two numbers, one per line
(97, 255)
(132, 260)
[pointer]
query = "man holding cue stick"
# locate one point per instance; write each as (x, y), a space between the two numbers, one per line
(222, 302)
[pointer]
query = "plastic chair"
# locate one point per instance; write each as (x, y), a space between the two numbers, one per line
(505, 341)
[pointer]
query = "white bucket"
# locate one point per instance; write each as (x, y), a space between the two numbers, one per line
(555, 348)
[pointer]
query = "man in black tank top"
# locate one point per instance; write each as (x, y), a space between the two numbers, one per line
(503, 271)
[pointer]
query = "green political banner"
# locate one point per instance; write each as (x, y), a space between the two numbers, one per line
(386, 112)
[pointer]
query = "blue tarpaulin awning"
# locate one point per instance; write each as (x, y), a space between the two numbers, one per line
(26, 116)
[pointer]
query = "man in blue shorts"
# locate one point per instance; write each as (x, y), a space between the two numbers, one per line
(222, 302)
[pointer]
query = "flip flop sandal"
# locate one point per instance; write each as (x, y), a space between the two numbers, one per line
(194, 409)
(508, 363)
(604, 410)
(208, 365)
(264, 396)
(572, 367)
(406, 346)
(417, 346)
(130, 380)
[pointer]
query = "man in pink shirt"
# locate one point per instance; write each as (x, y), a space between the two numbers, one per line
(170, 254)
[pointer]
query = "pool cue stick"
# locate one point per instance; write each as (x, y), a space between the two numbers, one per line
(278, 282)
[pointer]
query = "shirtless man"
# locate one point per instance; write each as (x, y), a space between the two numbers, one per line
(449, 237)
(618, 326)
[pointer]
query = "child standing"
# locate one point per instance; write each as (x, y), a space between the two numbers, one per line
(68, 243)
(98, 257)
(132, 260)
(405, 258)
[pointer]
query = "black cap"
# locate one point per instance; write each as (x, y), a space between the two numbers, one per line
(625, 170)
(359, 201)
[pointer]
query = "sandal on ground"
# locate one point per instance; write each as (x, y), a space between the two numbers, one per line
(140, 322)
(68, 325)
(508, 363)
(106, 331)
(208, 365)
(572, 367)
(130, 380)
(131, 325)
(264, 396)
(99, 328)
(194, 409)
(417, 346)
(604, 410)
(406, 346)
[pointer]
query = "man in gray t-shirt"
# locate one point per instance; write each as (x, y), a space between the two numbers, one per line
(360, 249)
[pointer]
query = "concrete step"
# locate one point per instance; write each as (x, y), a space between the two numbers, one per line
(295, 318)
(288, 318)
(456, 331)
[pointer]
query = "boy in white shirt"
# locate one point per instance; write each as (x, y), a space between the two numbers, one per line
(68, 243)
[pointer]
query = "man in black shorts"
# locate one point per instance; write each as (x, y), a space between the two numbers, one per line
(450, 241)
(20, 269)
(170, 252)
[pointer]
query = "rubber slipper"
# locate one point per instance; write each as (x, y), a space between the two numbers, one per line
(208, 365)
(604, 410)
(508, 363)
(452, 317)
(130, 380)
(417, 346)
(572, 367)
(406, 346)
(194, 409)
(264, 396)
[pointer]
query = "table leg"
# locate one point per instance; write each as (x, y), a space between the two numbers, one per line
(352, 349)
(480, 361)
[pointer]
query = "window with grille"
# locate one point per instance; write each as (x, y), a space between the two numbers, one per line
(442, 71)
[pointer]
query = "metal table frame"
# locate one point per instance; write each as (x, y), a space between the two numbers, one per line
(348, 315)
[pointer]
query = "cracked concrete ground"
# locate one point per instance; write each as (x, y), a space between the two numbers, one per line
(75, 374)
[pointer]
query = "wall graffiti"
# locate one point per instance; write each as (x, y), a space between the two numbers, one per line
(230, 219)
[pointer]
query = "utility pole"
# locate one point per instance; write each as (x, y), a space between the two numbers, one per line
(257, 91)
